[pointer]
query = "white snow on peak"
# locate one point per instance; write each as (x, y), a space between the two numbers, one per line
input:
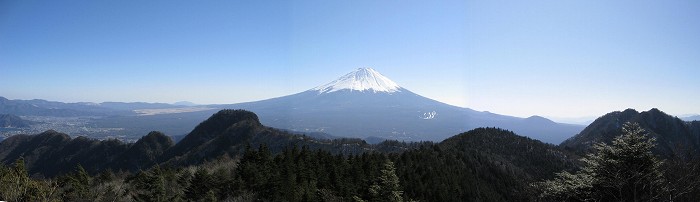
(360, 80)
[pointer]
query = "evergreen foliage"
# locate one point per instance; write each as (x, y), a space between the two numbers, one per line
(450, 171)
(76, 186)
(150, 186)
(387, 187)
(624, 171)
(200, 185)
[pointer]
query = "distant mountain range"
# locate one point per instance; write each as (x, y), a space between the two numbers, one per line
(47, 108)
(38, 107)
(691, 118)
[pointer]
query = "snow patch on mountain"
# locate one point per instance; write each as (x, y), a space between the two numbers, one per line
(429, 115)
(362, 79)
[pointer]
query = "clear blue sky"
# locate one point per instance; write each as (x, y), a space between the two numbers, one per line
(550, 58)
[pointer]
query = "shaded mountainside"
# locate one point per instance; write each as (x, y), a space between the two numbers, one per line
(51, 153)
(673, 135)
(46, 151)
(12, 121)
(454, 170)
(506, 147)
(400, 116)
(144, 153)
(228, 132)
(484, 164)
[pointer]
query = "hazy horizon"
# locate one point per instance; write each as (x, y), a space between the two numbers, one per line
(553, 59)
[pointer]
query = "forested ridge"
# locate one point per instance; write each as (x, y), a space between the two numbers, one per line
(429, 172)
(232, 157)
(675, 137)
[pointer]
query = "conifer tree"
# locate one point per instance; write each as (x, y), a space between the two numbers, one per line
(200, 185)
(387, 187)
(78, 185)
(150, 185)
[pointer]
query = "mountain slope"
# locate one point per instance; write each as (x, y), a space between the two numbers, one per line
(534, 158)
(51, 153)
(228, 132)
(365, 103)
(673, 135)
(484, 164)
(144, 153)
(12, 121)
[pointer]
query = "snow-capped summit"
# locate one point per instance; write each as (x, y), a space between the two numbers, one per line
(362, 79)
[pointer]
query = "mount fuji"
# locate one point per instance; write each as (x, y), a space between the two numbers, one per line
(366, 104)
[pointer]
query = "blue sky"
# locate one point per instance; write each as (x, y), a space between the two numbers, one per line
(521, 58)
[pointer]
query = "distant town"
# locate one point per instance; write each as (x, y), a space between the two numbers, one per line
(73, 126)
